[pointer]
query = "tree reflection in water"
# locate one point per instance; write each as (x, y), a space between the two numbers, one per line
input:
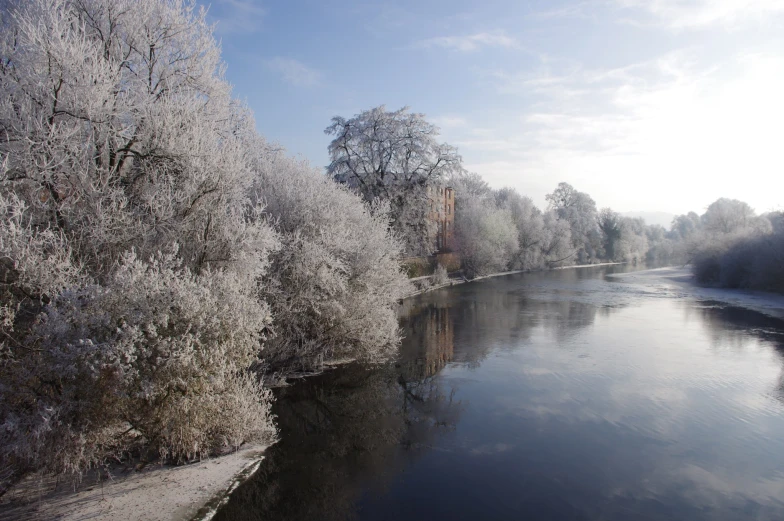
(588, 399)
(351, 427)
(730, 328)
(356, 427)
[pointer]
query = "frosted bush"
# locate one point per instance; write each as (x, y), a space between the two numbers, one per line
(750, 262)
(156, 357)
(440, 276)
(334, 284)
(120, 138)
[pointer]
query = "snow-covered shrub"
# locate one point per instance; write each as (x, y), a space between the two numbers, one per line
(158, 356)
(440, 276)
(34, 267)
(750, 262)
(335, 281)
(120, 138)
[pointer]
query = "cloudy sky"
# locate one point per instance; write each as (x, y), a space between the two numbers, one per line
(647, 105)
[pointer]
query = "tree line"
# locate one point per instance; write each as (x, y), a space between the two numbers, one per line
(395, 157)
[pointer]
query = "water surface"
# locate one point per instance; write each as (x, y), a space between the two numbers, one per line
(568, 395)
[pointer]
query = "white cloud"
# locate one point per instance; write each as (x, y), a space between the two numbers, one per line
(584, 9)
(449, 122)
(237, 16)
(472, 42)
(682, 14)
(295, 72)
(668, 134)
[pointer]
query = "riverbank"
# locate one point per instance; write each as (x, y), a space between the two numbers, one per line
(463, 280)
(680, 283)
(156, 493)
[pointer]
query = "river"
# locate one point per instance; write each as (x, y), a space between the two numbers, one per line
(564, 395)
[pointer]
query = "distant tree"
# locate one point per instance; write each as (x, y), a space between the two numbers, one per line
(727, 216)
(661, 246)
(683, 226)
(633, 243)
(395, 157)
(776, 220)
(610, 225)
(655, 232)
(486, 236)
(531, 233)
(469, 185)
(557, 246)
(579, 210)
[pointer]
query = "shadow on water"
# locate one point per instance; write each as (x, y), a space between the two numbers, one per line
(523, 396)
(353, 427)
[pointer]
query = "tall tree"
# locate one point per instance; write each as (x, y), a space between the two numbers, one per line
(727, 216)
(610, 225)
(132, 253)
(393, 156)
(684, 226)
(579, 210)
(531, 233)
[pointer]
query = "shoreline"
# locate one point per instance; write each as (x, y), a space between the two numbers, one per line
(190, 492)
(680, 281)
(454, 282)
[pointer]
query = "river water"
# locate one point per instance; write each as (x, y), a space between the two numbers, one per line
(565, 395)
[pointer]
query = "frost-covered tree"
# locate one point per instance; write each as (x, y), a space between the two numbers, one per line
(735, 248)
(632, 244)
(393, 156)
(684, 226)
(156, 357)
(579, 210)
(468, 186)
(623, 238)
(610, 226)
(557, 246)
(661, 246)
(121, 145)
(119, 129)
(725, 216)
(486, 236)
(531, 233)
(776, 220)
(498, 230)
(335, 283)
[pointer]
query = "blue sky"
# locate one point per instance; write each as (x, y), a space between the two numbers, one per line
(647, 105)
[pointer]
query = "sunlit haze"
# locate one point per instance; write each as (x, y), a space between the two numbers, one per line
(649, 105)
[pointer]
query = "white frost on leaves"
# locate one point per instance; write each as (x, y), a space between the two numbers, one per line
(394, 157)
(142, 275)
(334, 283)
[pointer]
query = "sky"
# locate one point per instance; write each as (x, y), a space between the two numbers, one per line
(646, 105)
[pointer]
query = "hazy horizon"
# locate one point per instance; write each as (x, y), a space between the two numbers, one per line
(655, 106)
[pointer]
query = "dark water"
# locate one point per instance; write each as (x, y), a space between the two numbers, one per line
(566, 395)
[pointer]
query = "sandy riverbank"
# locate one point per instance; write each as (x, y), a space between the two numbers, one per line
(157, 493)
(680, 282)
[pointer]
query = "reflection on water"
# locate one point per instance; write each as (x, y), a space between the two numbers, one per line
(561, 395)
